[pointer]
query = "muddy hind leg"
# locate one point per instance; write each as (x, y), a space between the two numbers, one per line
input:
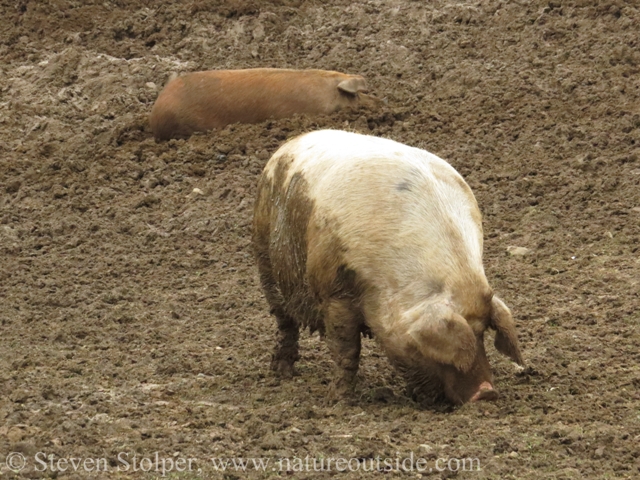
(342, 334)
(286, 351)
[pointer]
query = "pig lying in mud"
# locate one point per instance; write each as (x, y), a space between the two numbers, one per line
(356, 234)
(202, 101)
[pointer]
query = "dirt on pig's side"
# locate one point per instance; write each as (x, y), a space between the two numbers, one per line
(132, 319)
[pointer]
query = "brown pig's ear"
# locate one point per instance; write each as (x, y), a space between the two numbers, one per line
(506, 337)
(444, 336)
(353, 85)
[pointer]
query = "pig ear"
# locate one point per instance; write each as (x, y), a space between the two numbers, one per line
(445, 337)
(506, 341)
(353, 85)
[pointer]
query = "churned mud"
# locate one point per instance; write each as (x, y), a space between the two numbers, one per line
(131, 316)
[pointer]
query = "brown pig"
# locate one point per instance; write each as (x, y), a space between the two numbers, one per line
(356, 234)
(203, 101)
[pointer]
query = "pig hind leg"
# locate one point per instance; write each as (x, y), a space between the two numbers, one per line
(343, 325)
(286, 350)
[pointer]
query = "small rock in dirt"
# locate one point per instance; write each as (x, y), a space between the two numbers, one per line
(574, 434)
(198, 171)
(16, 434)
(258, 33)
(197, 191)
(569, 473)
(148, 201)
(19, 396)
(13, 187)
(518, 251)
(27, 448)
(513, 455)
(30, 473)
(101, 418)
(270, 442)
(151, 86)
(599, 452)
(225, 149)
(519, 369)
(312, 430)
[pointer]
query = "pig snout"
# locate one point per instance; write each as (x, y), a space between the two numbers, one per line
(464, 390)
(485, 392)
(473, 385)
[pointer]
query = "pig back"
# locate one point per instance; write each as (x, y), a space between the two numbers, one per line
(400, 214)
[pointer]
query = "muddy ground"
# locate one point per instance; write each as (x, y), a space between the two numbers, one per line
(132, 319)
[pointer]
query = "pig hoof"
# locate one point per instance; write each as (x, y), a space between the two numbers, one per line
(283, 368)
(340, 389)
(382, 395)
(485, 392)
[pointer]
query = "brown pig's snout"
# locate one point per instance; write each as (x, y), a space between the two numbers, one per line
(485, 392)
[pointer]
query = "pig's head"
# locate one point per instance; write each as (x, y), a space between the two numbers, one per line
(442, 352)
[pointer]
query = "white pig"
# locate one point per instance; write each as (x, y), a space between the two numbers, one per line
(356, 234)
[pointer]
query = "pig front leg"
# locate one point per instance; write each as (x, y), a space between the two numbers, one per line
(343, 325)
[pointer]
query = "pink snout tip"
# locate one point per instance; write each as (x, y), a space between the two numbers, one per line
(485, 392)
